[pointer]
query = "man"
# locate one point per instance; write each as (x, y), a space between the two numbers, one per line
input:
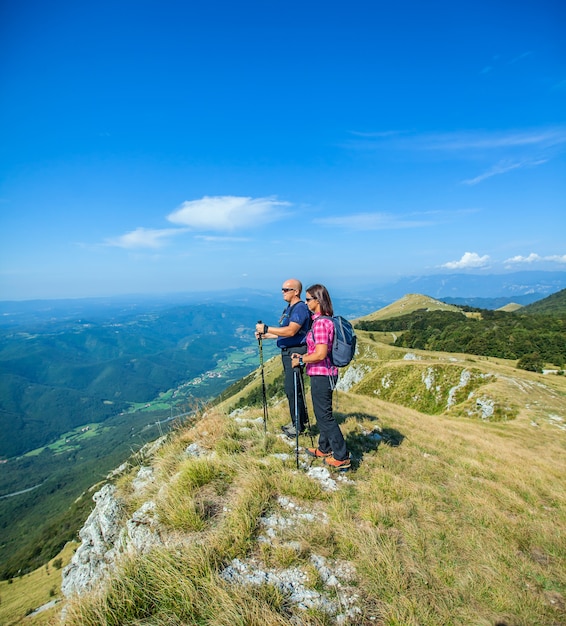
(291, 338)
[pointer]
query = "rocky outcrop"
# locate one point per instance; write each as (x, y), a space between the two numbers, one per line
(108, 534)
(99, 537)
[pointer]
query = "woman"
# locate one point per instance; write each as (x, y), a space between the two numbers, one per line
(323, 375)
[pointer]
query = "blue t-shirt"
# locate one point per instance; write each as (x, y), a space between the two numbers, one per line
(300, 314)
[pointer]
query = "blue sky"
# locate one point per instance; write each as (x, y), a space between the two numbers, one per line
(180, 146)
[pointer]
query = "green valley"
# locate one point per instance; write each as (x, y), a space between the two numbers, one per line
(77, 398)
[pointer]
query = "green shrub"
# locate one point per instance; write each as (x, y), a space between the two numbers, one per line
(531, 362)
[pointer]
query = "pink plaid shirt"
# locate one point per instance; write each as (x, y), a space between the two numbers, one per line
(322, 331)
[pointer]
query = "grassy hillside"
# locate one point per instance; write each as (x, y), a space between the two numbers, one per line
(408, 304)
(555, 305)
(23, 595)
(536, 340)
(454, 512)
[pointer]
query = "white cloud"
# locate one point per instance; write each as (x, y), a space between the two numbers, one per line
(468, 260)
(536, 258)
(532, 258)
(227, 212)
(144, 238)
(557, 258)
(370, 221)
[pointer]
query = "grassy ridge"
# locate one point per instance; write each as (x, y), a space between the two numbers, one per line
(445, 528)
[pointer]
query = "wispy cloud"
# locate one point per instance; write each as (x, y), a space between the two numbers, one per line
(498, 62)
(371, 221)
(520, 57)
(385, 134)
(502, 168)
(469, 260)
(533, 257)
(212, 238)
(510, 150)
(227, 212)
(144, 238)
(462, 141)
(479, 140)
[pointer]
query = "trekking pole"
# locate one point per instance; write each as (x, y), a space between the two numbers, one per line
(306, 409)
(262, 383)
(297, 425)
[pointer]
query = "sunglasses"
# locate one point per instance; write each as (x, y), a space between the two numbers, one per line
(285, 289)
(309, 299)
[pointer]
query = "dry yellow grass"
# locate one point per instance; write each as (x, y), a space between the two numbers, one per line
(407, 304)
(23, 595)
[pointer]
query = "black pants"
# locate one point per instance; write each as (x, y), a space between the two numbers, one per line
(331, 438)
(290, 385)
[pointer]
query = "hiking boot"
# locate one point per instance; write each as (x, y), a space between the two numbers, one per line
(336, 464)
(319, 454)
(290, 431)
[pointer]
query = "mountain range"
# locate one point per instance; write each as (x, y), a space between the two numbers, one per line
(527, 286)
(489, 291)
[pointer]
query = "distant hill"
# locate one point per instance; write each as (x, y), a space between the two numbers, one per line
(554, 305)
(511, 307)
(408, 304)
(494, 303)
(535, 336)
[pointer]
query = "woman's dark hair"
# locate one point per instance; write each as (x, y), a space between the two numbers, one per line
(320, 293)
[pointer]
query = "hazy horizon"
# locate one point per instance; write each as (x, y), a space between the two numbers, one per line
(475, 286)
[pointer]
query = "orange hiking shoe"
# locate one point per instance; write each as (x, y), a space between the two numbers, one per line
(336, 464)
(317, 453)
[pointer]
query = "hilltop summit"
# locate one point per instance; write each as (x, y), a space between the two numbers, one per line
(407, 304)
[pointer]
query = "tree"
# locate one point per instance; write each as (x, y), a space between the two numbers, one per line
(531, 362)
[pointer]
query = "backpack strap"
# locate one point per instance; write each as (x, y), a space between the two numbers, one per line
(289, 309)
(327, 360)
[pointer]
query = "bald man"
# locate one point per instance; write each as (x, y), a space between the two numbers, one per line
(291, 337)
